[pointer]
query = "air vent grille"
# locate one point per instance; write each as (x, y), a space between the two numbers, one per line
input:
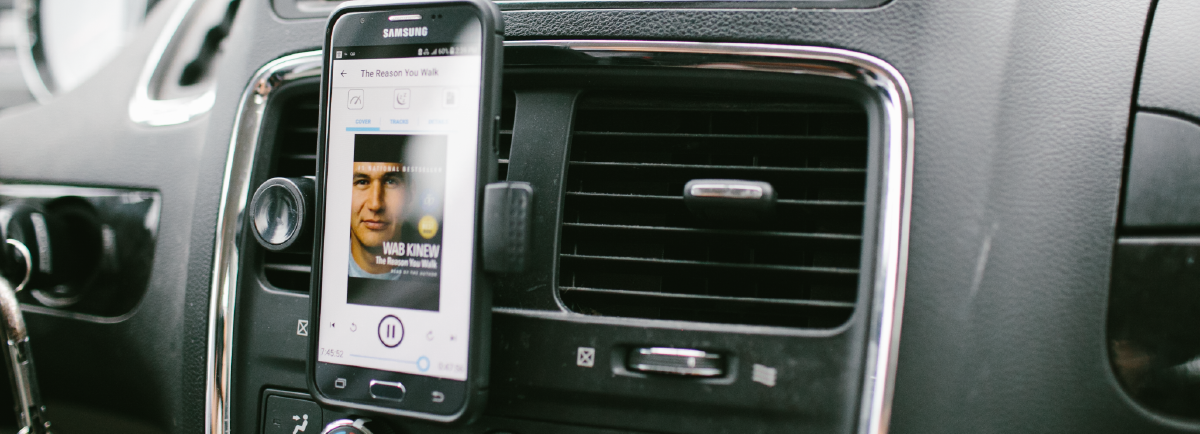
(630, 248)
(508, 110)
(294, 154)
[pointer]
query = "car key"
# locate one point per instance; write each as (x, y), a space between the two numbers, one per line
(30, 411)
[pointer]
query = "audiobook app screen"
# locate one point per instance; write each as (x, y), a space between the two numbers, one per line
(400, 217)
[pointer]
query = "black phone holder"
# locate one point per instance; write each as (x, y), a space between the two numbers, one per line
(506, 226)
(281, 214)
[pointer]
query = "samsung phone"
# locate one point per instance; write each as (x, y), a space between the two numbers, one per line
(409, 111)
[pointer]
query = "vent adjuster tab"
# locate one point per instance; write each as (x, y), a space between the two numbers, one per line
(730, 200)
(506, 226)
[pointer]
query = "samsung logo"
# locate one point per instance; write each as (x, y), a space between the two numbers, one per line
(406, 32)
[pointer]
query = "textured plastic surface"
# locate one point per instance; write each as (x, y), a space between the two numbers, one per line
(506, 226)
(1163, 188)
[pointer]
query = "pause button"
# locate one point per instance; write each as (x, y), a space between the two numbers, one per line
(391, 331)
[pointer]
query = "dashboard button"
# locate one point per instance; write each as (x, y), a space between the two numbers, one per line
(391, 331)
(289, 415)
(392, 391)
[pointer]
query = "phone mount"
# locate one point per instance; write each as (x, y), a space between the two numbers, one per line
(506, 226)
(281, 214)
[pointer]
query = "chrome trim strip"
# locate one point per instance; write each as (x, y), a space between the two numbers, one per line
(144, 109)
(31, 68)
(235, 192)
(1152, 240)
(896, 194)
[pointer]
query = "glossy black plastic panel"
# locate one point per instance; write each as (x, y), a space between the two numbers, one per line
(1154, 322)
(1172, 65)
(1163, 184)
(105, 248)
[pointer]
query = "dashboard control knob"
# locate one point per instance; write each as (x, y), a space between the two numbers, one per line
(358, 426)
(281, 214)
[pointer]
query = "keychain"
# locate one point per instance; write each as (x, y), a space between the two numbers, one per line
(30, 411)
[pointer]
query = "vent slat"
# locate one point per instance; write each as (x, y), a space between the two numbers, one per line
(630, 246)
(790, 183)
(722, 136)
(709, 298)
(622, 264)
(701, 104)
(774, 235)
(647, 197)
(656, 167)
(624, 261)
(293, 268)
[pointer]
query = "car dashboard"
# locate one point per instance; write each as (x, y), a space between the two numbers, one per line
(984, 220)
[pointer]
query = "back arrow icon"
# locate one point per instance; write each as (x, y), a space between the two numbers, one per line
(343, 73)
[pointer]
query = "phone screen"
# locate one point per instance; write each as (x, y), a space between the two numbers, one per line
(401, 176)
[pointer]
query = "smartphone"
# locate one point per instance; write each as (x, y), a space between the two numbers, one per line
(410, 99)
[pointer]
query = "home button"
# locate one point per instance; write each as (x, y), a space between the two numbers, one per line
(392, 391)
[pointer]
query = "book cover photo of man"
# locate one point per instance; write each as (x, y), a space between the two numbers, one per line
(395, 221)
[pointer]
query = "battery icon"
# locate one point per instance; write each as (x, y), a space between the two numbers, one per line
(338, 55)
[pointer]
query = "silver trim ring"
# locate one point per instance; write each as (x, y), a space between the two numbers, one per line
(887, 303)
(28, 263)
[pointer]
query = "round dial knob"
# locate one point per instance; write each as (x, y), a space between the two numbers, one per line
(357, 426)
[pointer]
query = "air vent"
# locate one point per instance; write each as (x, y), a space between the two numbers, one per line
(507, 113)
(294, 154)
(630, 248)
